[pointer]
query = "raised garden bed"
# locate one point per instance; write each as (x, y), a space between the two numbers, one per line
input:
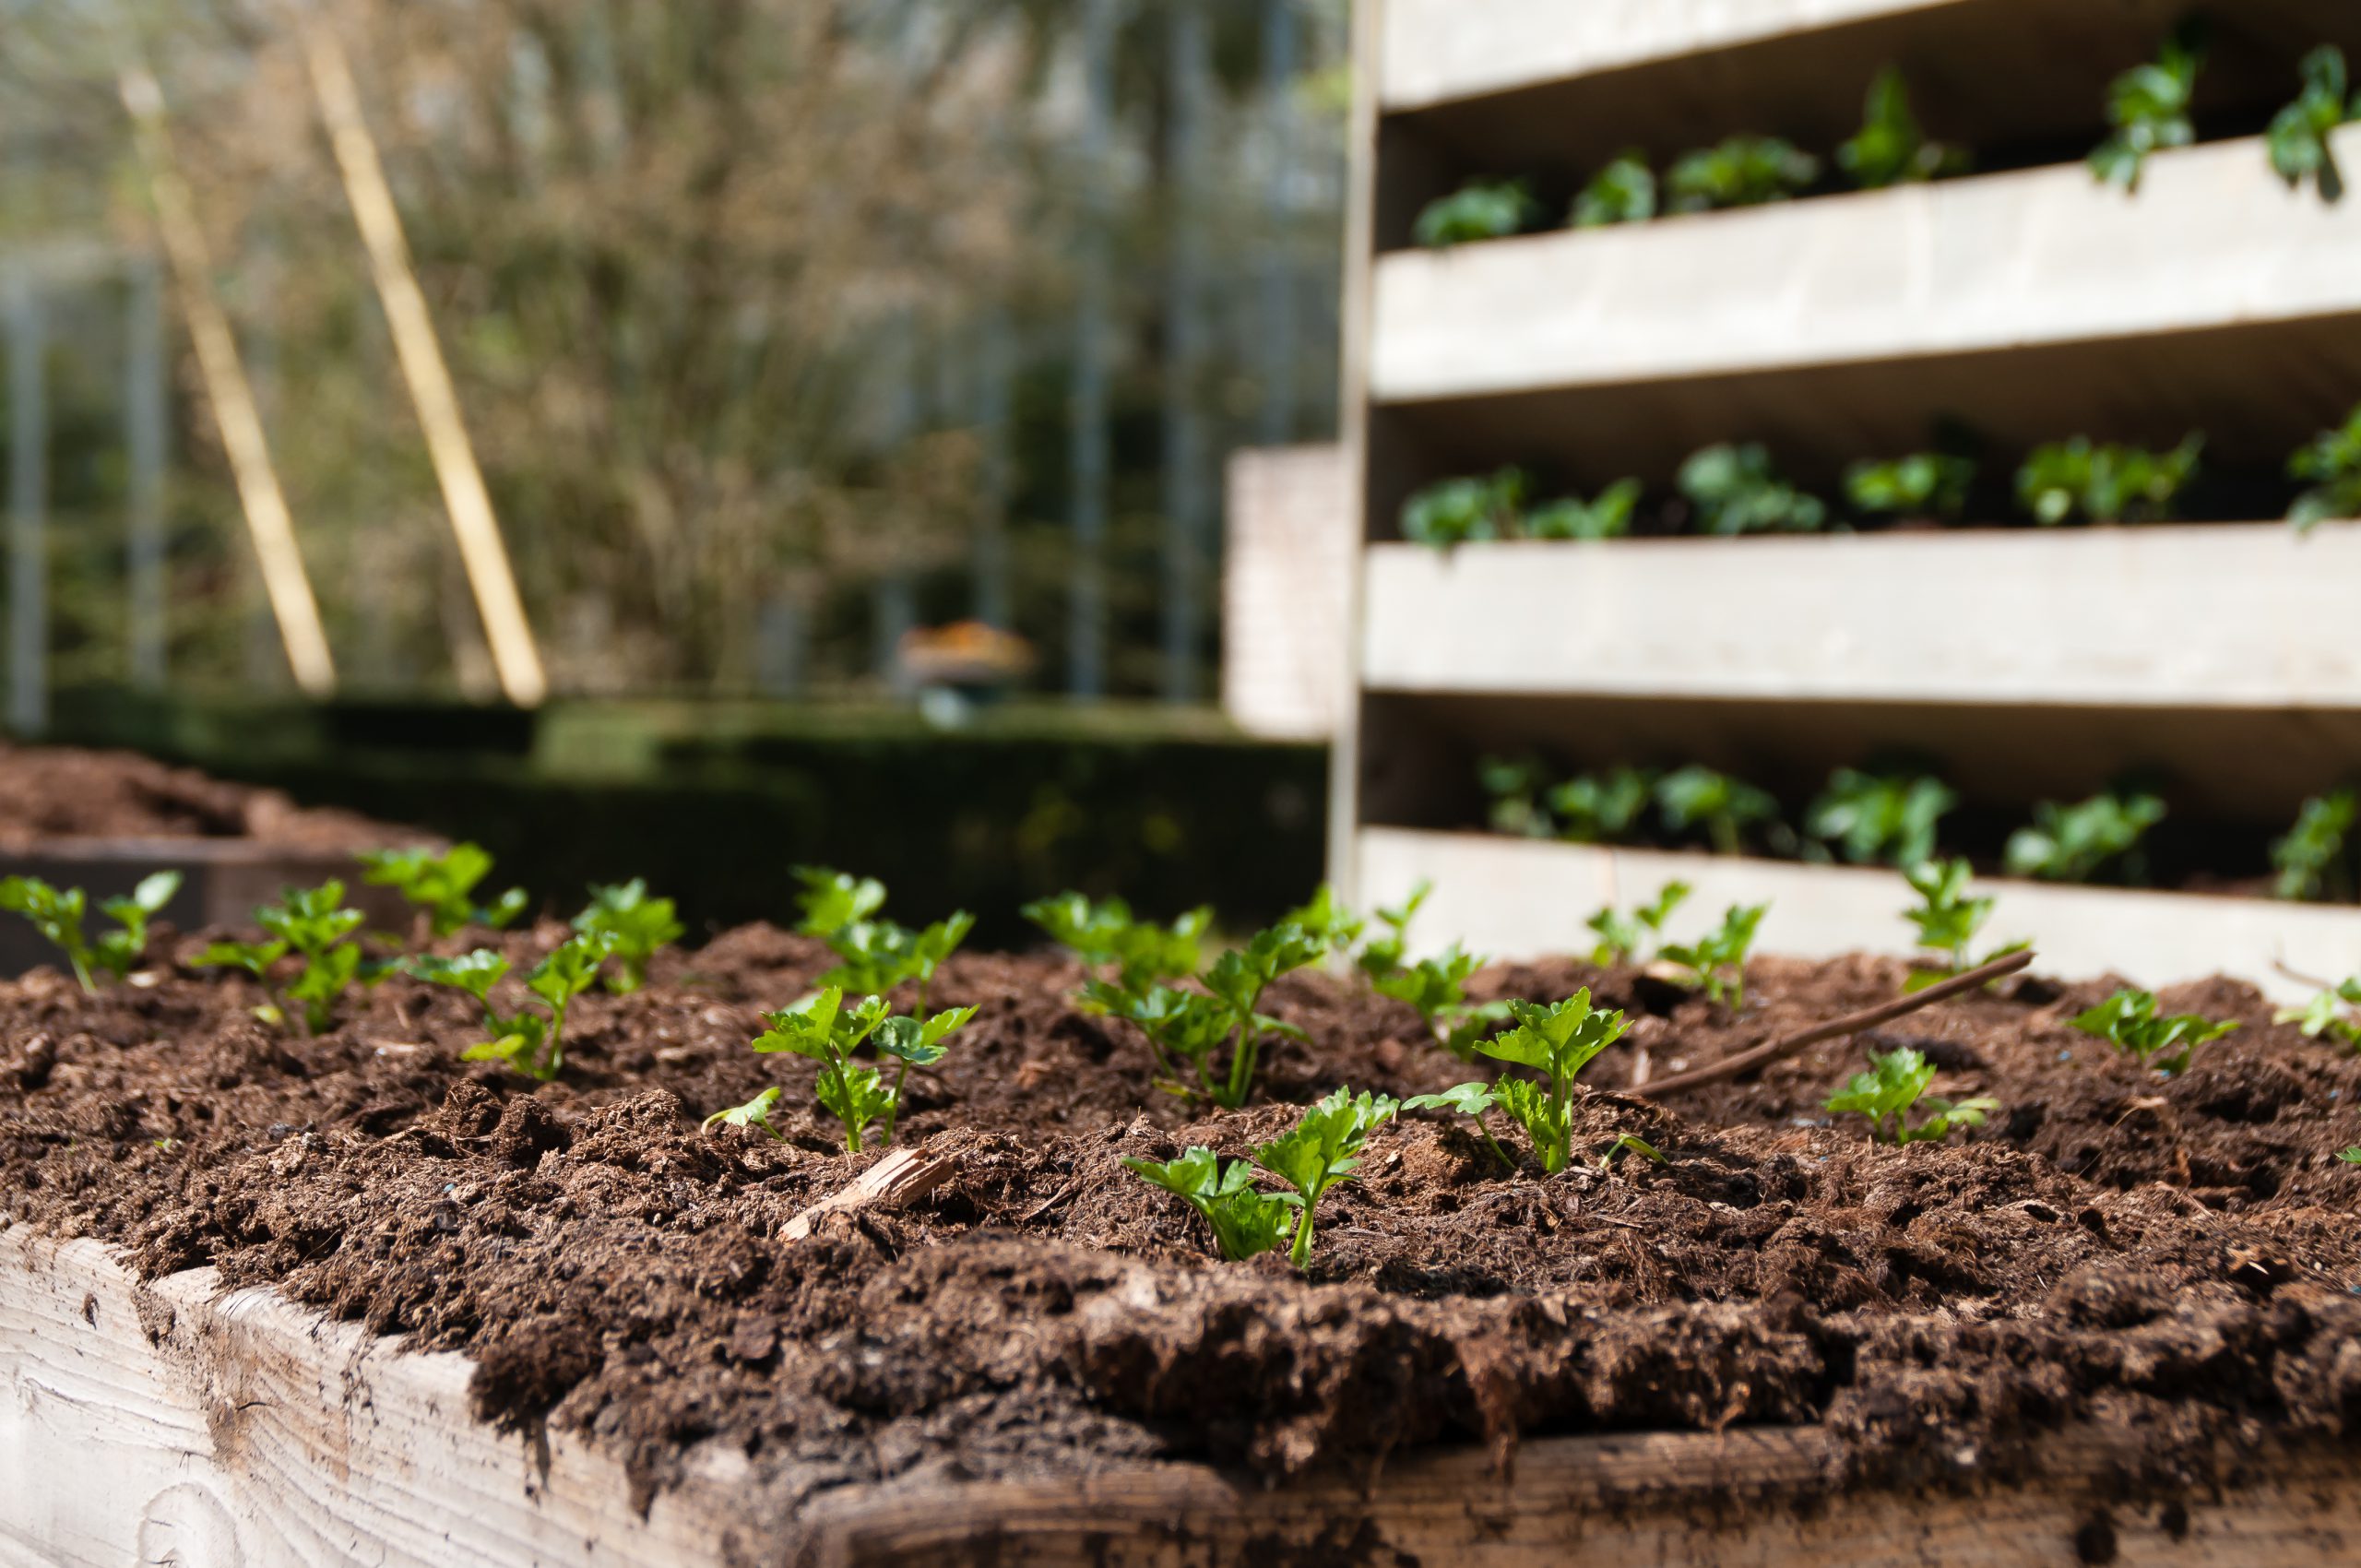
(2114, 1325)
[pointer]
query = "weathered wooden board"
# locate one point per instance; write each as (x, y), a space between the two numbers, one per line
(1520, 898)
(170, 1424)
(1284, 571)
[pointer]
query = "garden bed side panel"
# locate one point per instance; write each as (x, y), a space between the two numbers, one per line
(168, 1423)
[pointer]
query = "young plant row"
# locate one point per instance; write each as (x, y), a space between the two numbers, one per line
(2147, 112)
(1731, 490)
(1893, 818)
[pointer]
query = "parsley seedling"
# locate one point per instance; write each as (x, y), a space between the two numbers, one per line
(444, 885)
(822, 1028)
(1515, 787)
(2148, 105)
(532, 1043)
(1734, 490)
(1602, 807)
(1739, 172)
(2332, 465)
(1466, 511)
(2335, 1014)
(1891, 1088)
(1481, 209)
(1557, 1041)
(1195, 1027)
(1632, 938)
(1606, 515)
(873, 955)
(1437, 989)
(2128, 1021)
(1925, 484)
(1245, 1222)
(2350, 1155)
(1322, 1150)
(1716, 961)
(2104, 483)
(638, 926)
(2075, 843)
(2311, 859)
(312, 925)
(1140, 952)
(1948, 919)
(1891, 148)
(58, 915)
(1623, 192)
(1697, 797)
(1382, 956)
(2298, 137)
(1879, 819)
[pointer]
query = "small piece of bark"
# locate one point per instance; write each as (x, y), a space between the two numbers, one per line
(901, 1177)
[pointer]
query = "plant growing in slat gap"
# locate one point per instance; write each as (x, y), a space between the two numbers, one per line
(1716, 961)
(1924, 485)
(1602, 807)
(1880, 819)
(1893, 1087)
(1739, 171)
(1514, 786)
(1698, 798)
(442, 886)
(1481, 209)
(822, 1028)
(639, 925)
(874, 955)
(1623, 192)
(2334, 1013)
(1606, 515)
(1948, 919)
(314, 925)
(2104, 483)
(1557, 1041)
(2332, 466)
(2148, 105)
(2128, 1021)
(1106, 935)
(1466, 511)
(1630, 939)
(1322, 1150)
(1891, 148)
(2312, 860)
(2075, 843)
(1245, 1221)
(528, 1042)
(1733, 491)
(2300, 135)
(58, 915)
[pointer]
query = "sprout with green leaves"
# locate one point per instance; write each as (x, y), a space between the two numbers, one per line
(2334, 1013)
(2149, 107)
(2312, 860)
(1606, 515)
(1739, 172)
(531, 1043)
(1881, 818)
(1734, 490)
(2300, 135)
(2332, 466)
(1557, 1041)
(1515, 787)
(873, 955)
(442, 886)
(1382, 956)
(1466, 511)
(2075, 843)
(2105, 483)
(1105, 934)
(1319, 1151)
(1632, 939)
(1623, 192)
(1891, 149)
(640, 926)
(1925, 484)
(58, 914)
(1716, 961)
(2128, 1021)
(312, 925)
(1698, 798)
(1948, 919)
(822, 1028)
(1481, 209)
(1246, 1222)
(1602, 807)
(1893, 1087)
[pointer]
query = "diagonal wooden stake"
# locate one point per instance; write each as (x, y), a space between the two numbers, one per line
(268, 521)
(513, 656)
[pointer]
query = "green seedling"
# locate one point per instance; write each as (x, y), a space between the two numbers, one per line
(1481, 209)
(2350, 1155)
(1437, 989)
(2300, 135)
(1515, 786)
(2334, 1014)
(1925, 484)
(58, 914)
(1623, 192)
(873, 955)
(1559, 1041)
(1105, 936)
(531, 1043)
(1716, 962)
(1740, 171)
(2149, 107)
(1892, 1090)
(1632, 939)
(1734, 490)
(640, 926)
(2075, 843)
(1237, 981)
(755, 1113)
(1697, 798)
(1245, 1222)
(2104, 483)
(1189, 1031)
(1466, 511)
(1335, 926)
(822, 1028)
(1606, 515)
(1322, 1150)
(2312, 860)
(2128, 1021)
(1630, 1143)
(444, 885)
(1382, 956)
(314, 925)
(1602, 807)
(2332, 466)
(1891, 148)
(1881, 819)
(1948, 919)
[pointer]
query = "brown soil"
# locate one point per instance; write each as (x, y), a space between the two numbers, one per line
(59, 792)
(2175, 1254)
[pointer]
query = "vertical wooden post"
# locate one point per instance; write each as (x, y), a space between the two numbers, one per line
(1190, 68)
(28, 502)
(1090, 457)
(147, 423)
(1276, 332)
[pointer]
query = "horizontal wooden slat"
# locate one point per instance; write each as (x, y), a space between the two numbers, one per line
(1521, 898)
(1973, 266)
(2247, 615)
